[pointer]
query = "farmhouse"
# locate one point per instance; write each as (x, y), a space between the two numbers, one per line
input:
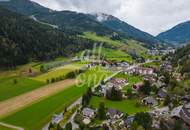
(140, 71)
(114, 114)
(87, 112)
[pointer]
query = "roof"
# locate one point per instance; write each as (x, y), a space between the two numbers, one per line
(150, 100)
(113, 112)
(86, 121)
(175, 112)
(129, 120)
(88, 111)
(161, 93)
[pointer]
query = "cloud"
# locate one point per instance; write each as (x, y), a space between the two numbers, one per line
(153, 16)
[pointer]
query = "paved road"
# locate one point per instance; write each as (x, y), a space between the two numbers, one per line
(11, 126)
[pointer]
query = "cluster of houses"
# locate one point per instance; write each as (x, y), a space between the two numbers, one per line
(111, 65)
(117, 83)
(155, 51)
(112, 115)
(140, 71)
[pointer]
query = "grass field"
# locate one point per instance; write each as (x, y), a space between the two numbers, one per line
(8, 89)
(35, 116)
(104, 39)
(14, 104)
(126, 106)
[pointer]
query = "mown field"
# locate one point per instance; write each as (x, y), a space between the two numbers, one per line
(126, 106)
(57, 72)
(35, 116)
(24, 83)
(9, 89)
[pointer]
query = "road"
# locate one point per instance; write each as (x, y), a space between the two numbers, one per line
(79, 100)
(11, 126)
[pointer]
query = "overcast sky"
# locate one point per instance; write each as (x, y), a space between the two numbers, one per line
(153, 16)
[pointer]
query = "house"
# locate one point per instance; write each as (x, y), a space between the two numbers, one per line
(128, 121)
(137, 86)
(176, 112)
(162, 93)
(87, 112)
(166, 66)
(150, 101)
(164, 111)
(149, 78)
(114, 114)
(118, 83)
(57, 118)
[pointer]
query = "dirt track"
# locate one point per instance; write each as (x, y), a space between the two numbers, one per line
(11, 105)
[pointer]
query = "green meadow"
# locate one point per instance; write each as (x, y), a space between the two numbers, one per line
(126, 106)
(9, 89)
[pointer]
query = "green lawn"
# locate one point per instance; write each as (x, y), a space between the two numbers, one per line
(5, 128)
(8, 89)
(35, 116)
(126, 106)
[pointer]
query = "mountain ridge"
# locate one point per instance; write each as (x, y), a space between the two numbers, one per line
(71, 21)
(177, 35)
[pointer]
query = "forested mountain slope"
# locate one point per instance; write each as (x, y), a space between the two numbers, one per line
(23, 39)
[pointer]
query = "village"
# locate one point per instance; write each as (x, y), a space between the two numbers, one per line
(148, 92)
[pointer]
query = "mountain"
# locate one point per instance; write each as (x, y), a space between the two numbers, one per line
(182, 58)
(177, 35)
(23, 39)
(66, 20)
(122, 27)
(25, 7)
(69, 21)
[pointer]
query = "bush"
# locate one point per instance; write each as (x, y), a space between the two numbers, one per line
(47, 81)
(15, 81)
(53, 80)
